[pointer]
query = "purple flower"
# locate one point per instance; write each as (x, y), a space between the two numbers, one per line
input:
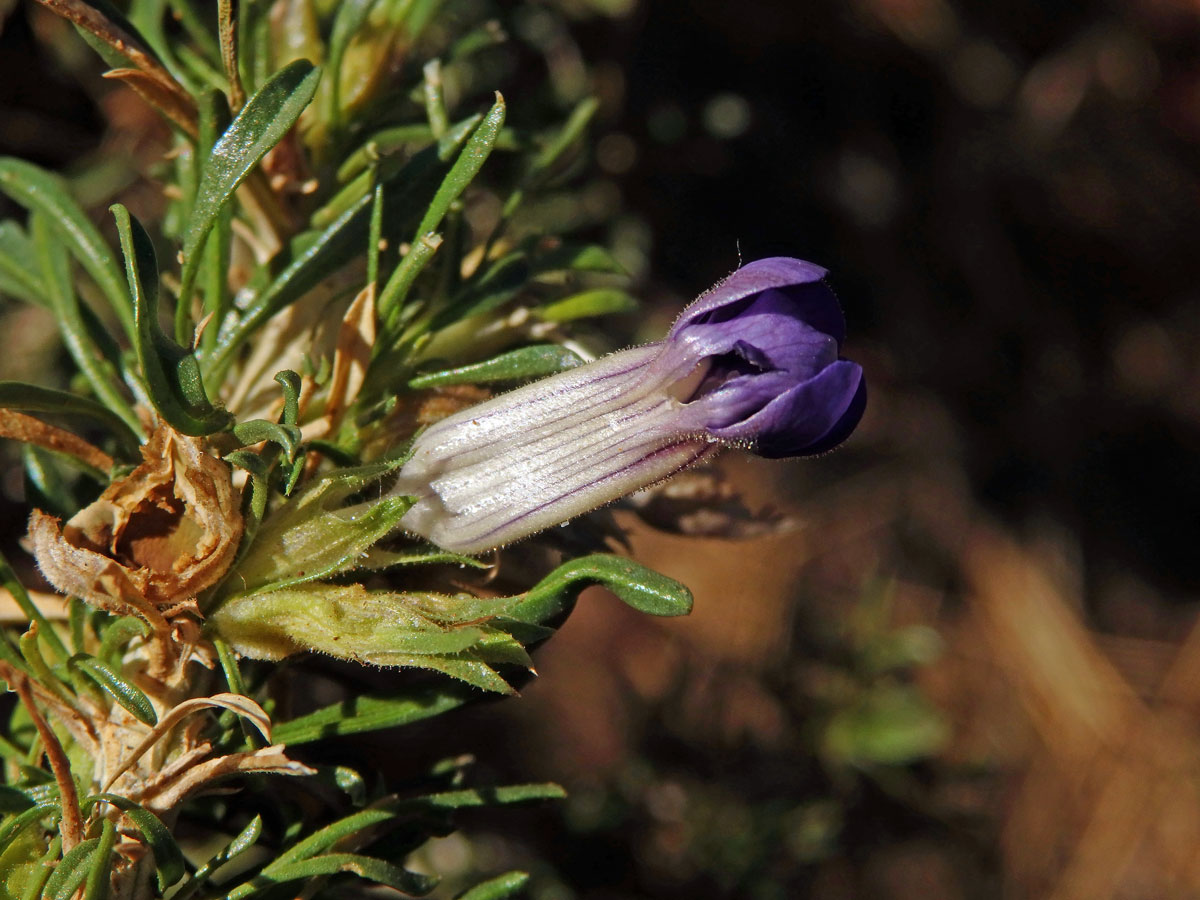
(752, 363)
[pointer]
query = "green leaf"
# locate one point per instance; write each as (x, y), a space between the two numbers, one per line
(46, 631)
(18, 823)
(347, 23)
(552, 152)
(25, 864)
(98, 882)
(70, 873)
(171, 371)
(425, 240)
(258, 127)
(118, 633)
(334, 833)
(435, 100)
(571, 131)
(13, 800)
(365, 867)
(309, 538)
(19, 276)
(892, 724)
(245, 839)
(290, 383)
(642, 588)
(136, 703)
(218, 300)
(600, 302)
(309, 258)
(346, 780)
(527, 362)
(255, 431)
(378, 628)
(363, 713)
(81, 344)
(168, 858)
(510, 884)
(38, 190)
(32, 398)
(502, 281)
(401, 281)
(579, 258)
(472, 798)
(465, 168)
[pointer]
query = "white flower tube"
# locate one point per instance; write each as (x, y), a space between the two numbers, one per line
(754, 362)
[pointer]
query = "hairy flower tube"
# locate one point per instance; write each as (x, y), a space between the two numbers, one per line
(752, 363)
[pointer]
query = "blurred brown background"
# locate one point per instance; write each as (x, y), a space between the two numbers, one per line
(959, 659)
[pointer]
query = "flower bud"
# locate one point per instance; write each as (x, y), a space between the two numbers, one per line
(753, 363)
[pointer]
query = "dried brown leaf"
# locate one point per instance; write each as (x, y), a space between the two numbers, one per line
(152, 89)
(355, 341)
(153, 540)
(267, 761)
(161, 85)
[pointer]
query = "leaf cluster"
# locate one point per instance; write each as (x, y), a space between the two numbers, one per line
(349, 235)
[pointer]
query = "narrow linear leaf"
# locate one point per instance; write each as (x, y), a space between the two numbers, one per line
(347, 22)
(37, 189)
(478, 148)
(499, 888)
(101, 375)
(391, 298)
(245, 839)
(172, 372)
(50, 811)
(70, 873)
(214, 276)
(312, 257)
(131, 699)
(435, 101)
(359, 714)
(320, 841)
(118, 633)
(8, 578)
(601, 302)
(97, 886)
(527, 362)
(14, 800)
(571, 131)
(365, 867)
(473, 798)
(552, 152)
(579, 258)
(19, 276)
(258, 127)
(168, 858)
